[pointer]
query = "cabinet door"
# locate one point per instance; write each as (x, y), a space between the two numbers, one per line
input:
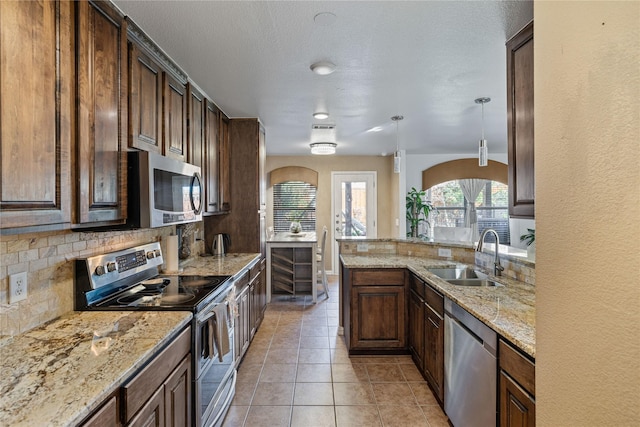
(434, 350)
(378, 317)
(177, 395)
(521, 124)
(152, 413)
(175, 118)
(517, 408)
(212, 159)
(145, 101)
(416, 328)
(224, 164)
(102, 114)
(35, 113)
(107, 416)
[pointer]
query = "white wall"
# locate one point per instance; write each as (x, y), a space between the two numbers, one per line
(587, 151)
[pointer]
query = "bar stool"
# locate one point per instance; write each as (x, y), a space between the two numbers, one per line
(322, 272)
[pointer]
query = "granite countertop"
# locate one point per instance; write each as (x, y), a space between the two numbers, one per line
(209, 265)
(59, 373)
(303, 237)
(509, 310)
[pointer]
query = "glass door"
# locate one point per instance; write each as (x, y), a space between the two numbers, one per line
(354, 204)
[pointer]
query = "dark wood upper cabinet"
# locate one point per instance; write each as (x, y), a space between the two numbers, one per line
(212, 158)
(145, 101)
(101, 113)
(175, 118)
(196, 122)
(36, 96)
(224, 163)
(158, 96)
(520, 124)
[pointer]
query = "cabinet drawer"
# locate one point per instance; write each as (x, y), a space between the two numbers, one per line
(378, 277)
(434, 299)
(517, 366)
(255, 270)
(138, 390)
(417, 285)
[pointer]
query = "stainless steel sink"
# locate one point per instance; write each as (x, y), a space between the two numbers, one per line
(474, 282)
(451, 273)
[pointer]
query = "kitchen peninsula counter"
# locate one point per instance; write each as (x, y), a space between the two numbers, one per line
(59, 373)
(509, 310)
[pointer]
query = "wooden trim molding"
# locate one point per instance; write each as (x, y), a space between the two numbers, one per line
(463, 169)
(293, 173)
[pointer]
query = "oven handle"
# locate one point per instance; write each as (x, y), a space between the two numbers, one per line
(210, 319)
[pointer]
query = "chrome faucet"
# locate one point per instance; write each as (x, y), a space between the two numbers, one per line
(497, 268)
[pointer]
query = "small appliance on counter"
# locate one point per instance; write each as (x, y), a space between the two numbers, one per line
(221, 244)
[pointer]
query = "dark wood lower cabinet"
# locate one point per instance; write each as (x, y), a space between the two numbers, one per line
(416, 328)
(106, 416)
(251, 298)
(434, 351)
(152, 413)
(516, 388)
(517, 407)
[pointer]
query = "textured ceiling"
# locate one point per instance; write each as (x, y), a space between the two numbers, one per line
(425, 60)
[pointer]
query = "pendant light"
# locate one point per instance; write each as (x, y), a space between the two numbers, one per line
(396, 155)
(483, 151)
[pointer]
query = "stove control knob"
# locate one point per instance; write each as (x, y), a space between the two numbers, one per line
(111, 267)
(100, 270)
(151, 255)
(157, 252)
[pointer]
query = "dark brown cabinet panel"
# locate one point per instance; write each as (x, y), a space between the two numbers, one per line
(145, 101)
(520, 124)
(106, 416)
(516, 387)
(224, 163)
(102, 114)
(177, 395)
(175, 118)
(416, 328)
(196, 126)
(36, 96)
(152, 413)
(378, 317)
(245, 222)
(434, 351)
(212, 159)
(517, 408)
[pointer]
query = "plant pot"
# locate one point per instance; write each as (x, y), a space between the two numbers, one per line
(531, 251)
(295, 227)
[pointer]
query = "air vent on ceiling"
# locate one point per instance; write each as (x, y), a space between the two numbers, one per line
(323, 127)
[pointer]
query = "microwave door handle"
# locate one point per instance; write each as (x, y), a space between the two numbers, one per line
(195, 180)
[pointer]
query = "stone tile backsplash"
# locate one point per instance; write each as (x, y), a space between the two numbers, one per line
(48, 260)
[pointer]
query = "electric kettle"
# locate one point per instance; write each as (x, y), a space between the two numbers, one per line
(221, 243)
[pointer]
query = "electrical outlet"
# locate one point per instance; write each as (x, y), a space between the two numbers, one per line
(17, 287)
(362, 247)
(445, 253)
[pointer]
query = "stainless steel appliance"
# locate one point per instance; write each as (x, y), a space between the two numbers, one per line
(221, 243)
(470, 369)
(162, 191)
(129, 280)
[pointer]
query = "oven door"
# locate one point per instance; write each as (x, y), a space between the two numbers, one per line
(214, 378)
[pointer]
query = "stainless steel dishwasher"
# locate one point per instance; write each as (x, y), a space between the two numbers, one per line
(470, 352)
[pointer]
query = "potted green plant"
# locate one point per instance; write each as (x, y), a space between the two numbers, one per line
(530, 239)
(418, 210)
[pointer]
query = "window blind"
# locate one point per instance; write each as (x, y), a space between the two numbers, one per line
(294, 201)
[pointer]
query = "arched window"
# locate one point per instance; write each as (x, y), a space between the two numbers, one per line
(491, 204)
(294, 201)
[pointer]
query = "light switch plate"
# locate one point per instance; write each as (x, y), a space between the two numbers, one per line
(445, 253)
(17, 287)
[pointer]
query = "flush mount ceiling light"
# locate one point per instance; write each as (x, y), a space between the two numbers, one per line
(483, 151)
(324, 19)
(323, 148)
(323, 68)
(321, 115)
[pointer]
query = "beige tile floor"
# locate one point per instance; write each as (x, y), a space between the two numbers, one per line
(297, 372)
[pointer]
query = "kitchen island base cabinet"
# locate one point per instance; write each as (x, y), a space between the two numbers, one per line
(516, 388)
(378, 314)
(106, 416)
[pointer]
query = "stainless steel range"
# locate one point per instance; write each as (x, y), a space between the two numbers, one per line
(130, 280)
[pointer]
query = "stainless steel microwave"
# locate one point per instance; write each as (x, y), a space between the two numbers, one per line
(162, 191)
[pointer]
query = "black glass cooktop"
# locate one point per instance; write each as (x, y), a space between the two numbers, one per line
(166, 293)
